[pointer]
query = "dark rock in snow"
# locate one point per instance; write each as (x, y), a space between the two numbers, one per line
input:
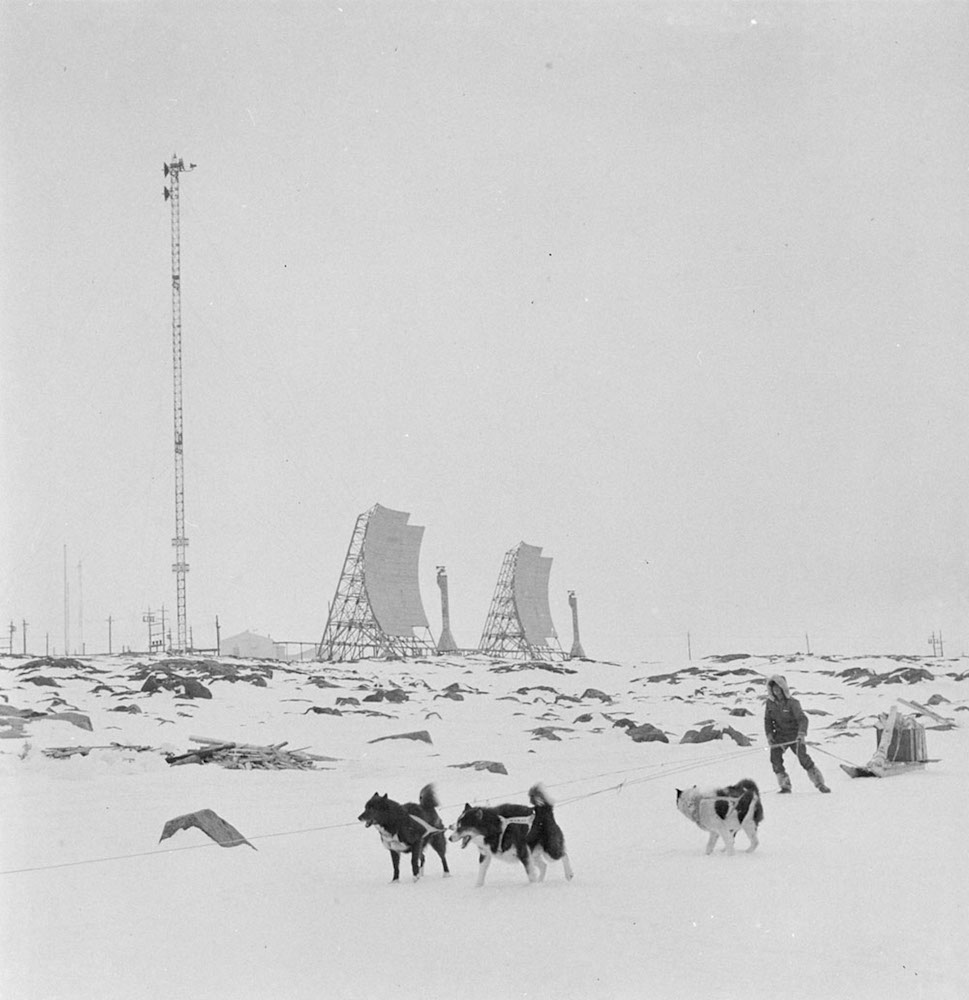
(647, 733)
(42, 681)
(704, 735)
(484, 765)
(549, 732)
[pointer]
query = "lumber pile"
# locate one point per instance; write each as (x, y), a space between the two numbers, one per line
(247, 756)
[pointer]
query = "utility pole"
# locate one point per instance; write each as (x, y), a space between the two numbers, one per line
(173, 171)
(67, 610)
(80, 609)
(689, 648)
(935, 641)
(109, 635)
(218, 637)
(807, 642)
(11, 628)
(23, 632)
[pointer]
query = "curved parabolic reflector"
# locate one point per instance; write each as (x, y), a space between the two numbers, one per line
(530, 586)
(391, 556)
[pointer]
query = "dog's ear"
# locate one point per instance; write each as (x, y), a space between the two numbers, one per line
(679, 792)
(467, 807)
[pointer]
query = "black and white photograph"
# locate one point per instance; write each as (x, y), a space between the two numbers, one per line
(484, 499)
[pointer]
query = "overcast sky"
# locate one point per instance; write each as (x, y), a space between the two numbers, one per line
(677, 292)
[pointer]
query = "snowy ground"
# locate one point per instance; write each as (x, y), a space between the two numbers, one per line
(857, 894)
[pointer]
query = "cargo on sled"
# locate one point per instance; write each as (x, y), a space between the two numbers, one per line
(900, 745)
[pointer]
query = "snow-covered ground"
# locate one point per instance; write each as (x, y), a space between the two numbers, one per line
(857, 894)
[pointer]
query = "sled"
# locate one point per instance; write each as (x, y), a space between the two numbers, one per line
(885, 770)
(901, 748)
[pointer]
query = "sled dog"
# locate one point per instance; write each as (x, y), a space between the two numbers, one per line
(724, 811)
(528, 834)
(407, 828)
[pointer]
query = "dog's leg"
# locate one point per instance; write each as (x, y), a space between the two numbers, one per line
(416, 862)
(484, 860)
(567, 865)
(728, 838)
(525, 857)
(395, 860)
(440, 845)
(539, 862)
(712, 842)
(751, 831)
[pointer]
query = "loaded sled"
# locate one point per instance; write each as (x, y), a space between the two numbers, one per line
(900, 746)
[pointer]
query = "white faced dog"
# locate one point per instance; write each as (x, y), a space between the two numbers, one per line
(722, 812)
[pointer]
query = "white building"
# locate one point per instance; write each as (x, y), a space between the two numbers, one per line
(251, 646)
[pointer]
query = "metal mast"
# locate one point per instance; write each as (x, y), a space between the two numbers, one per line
(173, 170)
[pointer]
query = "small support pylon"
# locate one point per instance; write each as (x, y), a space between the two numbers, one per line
(578, 653)
(446, 643)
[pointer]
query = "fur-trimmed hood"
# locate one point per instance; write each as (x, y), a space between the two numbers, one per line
(781, 682)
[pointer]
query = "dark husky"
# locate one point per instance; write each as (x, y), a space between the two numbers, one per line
(514, 833)
(406, 828)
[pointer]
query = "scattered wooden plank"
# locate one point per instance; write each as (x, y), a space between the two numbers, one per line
(928, 711)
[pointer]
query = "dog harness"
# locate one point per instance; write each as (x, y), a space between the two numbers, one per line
(428, 829)
(695, 804)
(393, 843)
(522, 820)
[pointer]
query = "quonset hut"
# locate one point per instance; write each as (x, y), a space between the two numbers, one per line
(377, 608)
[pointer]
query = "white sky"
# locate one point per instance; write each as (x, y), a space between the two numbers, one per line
(676, 291)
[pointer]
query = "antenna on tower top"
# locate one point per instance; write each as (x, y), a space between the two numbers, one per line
(173, 170)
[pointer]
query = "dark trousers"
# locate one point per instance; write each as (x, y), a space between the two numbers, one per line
(777, 757)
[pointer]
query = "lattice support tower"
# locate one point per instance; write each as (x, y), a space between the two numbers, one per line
(505, 631)
(353, 627)
(173, 170)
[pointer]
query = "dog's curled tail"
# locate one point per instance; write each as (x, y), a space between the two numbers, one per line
(428, 797)
(751, 797)
(539, 797)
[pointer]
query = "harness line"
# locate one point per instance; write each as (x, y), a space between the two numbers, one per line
(672, 768)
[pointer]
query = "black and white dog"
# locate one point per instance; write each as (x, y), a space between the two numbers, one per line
(406, 828)
(514, 833)
(722, 812)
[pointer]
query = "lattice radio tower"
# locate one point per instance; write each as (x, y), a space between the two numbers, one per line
(173, 169)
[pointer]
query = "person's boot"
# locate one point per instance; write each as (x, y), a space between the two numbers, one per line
(815, 775)
(784, 780)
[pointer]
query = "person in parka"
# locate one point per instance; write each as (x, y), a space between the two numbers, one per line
(786, 726)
